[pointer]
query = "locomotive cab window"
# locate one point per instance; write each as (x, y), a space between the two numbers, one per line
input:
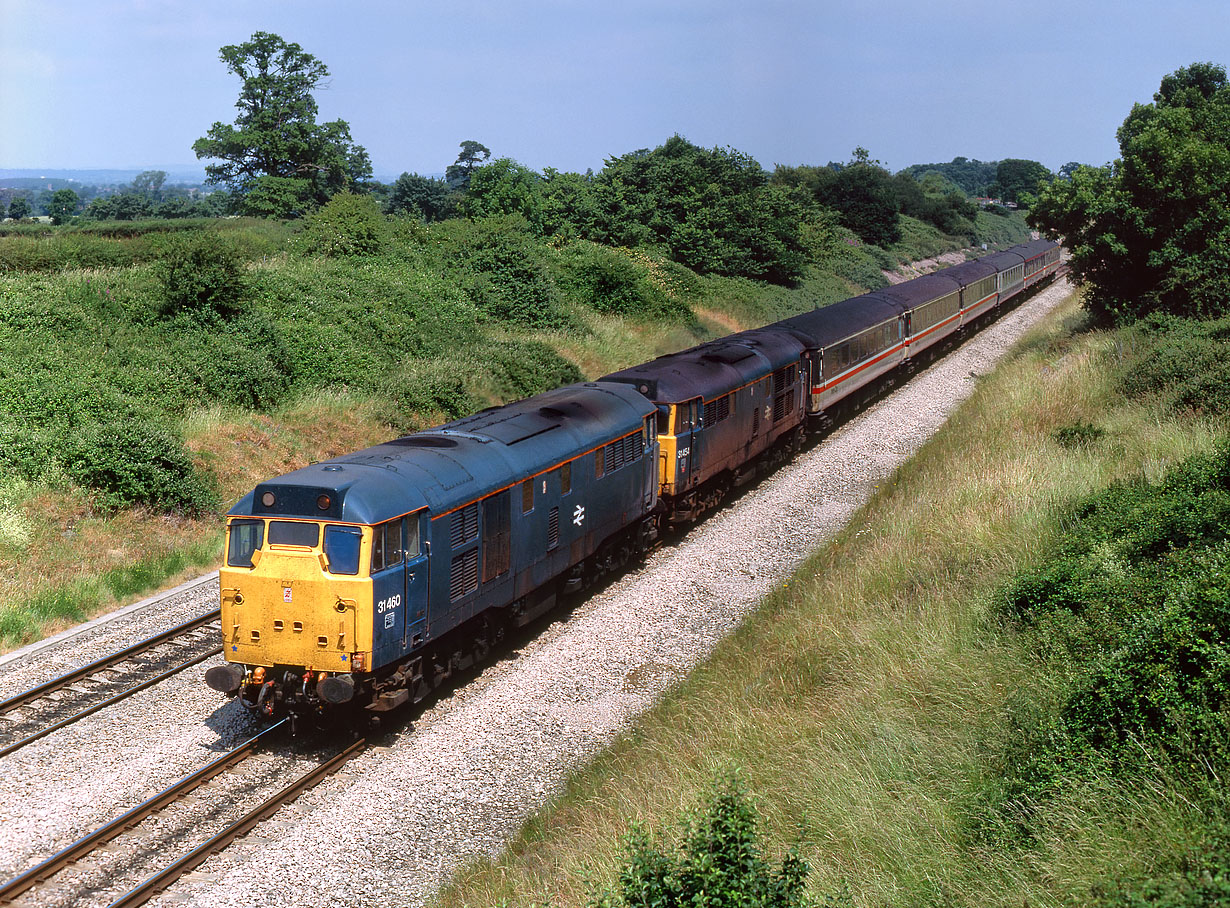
(246, 537)
(300, 535)
(387, 545)
(342, 549)
(565, 478)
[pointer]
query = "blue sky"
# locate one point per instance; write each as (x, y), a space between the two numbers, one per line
(569, 83)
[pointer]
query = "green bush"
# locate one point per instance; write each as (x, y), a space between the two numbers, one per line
(349, 225)
(133, 462)
(1182, 361)
(434, 390)
(1078, 435)
(520, 369)
(607, 280)
(1132, 612)
(716, 864)
(202, 274)
(503, 269)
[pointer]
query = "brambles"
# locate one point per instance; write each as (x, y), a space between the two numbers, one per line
(131, 462)
(717, 862)
(201, 274)
(349, 225)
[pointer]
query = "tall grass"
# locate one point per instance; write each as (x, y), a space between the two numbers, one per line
(859, 700)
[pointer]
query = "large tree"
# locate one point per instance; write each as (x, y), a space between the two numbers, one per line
(63, 205)
(276, 159)
(470, 158)
(711, 209)
(1152, 231)
(1018, 178)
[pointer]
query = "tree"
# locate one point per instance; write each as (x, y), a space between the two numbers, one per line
(148, 183)
(504, 187)
(1016, 177)
(123, 206)
(277, 161)
(423, 197)
(19, 208)
(1152, 231)
(63, 205)
(711, 209)
(472, 156)
(1066, 171)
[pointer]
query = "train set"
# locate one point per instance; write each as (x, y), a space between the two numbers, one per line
(367, 580)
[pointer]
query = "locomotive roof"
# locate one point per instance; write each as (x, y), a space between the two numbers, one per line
(457, 462)
(707, 370)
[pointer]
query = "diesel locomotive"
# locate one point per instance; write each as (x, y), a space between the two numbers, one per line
(367, 580)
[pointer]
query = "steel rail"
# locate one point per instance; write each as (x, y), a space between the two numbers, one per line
(83, 846)
(110, 701)
(156, 884)
(104, 663)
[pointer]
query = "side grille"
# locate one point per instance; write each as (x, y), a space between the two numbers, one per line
(553, 529)
(465, 525)
(781, 378)
(464, 577)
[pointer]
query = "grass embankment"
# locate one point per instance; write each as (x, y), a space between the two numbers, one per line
(163, 368)
(871, 703)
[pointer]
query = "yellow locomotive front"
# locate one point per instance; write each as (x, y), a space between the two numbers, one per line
(294, 599)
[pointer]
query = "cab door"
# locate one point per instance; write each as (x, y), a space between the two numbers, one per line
(413, 631)
(687, 437)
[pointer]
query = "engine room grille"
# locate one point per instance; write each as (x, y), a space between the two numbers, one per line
(465, 525)
(553, 529)
(717, 410)
(621, 452)
(464, 577)
(781, 378)
(783, 406)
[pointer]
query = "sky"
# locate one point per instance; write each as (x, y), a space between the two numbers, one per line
(571, 83)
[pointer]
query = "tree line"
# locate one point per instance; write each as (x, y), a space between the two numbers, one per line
(715, 210)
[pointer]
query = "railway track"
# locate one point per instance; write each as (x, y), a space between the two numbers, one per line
(33, 881)
(48, 707)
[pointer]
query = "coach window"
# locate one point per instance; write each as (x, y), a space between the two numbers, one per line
(565, 478)
(246, 537)
(342, 549)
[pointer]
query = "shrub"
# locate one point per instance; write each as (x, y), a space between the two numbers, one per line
(427, 390)
(202, 274)
(608, 281)
(502, 268)
(1182, 361)
(349, 225)
(135, 462)
(520, 369)
(717, 863)
(1077, 435)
